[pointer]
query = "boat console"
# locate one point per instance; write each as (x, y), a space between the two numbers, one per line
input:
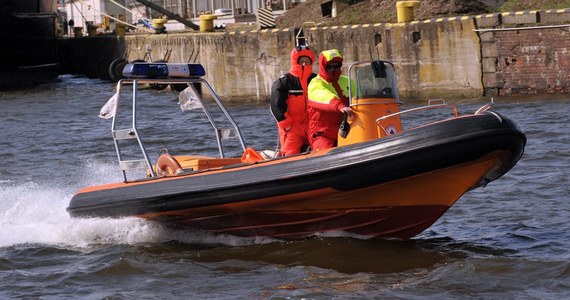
(373, 93)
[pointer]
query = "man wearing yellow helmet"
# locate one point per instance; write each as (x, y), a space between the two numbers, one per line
(328, 101)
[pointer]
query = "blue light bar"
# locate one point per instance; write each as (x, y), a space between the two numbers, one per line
(163, 70)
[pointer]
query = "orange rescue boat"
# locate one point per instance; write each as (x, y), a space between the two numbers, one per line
(383, 180)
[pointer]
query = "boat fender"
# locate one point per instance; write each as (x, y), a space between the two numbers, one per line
(269, 154)
(250, 156)
(167, 165)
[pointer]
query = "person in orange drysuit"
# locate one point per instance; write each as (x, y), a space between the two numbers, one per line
(289, 102)
(328, 101)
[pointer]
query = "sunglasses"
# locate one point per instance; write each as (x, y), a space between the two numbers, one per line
(333, 67)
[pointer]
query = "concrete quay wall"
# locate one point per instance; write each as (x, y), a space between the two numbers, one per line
(462, 57)
(243, 65)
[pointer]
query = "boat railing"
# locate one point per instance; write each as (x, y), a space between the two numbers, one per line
(356, 103)
(132, 131)
(432, 104)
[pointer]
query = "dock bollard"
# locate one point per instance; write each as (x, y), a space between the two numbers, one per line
(77, 31)
(158, 25)
(405, 10)
(120, 29)
(91, 28)
(207, 23)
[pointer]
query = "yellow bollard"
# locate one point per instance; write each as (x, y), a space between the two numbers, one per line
(207, 23)
(405, 10)
(158, 25)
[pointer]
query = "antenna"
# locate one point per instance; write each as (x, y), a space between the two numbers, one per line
(301, 35)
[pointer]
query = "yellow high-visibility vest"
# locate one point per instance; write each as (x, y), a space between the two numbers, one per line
(323, 92)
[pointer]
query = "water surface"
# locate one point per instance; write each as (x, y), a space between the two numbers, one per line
(509, 240)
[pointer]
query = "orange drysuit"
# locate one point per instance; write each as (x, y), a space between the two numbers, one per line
(327, 96)
(289, 103)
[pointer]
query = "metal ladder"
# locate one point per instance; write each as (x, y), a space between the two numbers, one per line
(128, 134)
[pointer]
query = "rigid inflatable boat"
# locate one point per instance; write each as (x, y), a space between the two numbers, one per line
(386, 179)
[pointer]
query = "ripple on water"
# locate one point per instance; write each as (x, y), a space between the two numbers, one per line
(510, 239)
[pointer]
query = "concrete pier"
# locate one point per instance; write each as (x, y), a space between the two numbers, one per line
(461, 57)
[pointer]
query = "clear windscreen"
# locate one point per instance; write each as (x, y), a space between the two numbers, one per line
(375, 79)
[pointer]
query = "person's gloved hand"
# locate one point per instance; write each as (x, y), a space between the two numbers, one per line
(347, 110)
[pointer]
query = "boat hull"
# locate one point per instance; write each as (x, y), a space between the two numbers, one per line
(394, 187)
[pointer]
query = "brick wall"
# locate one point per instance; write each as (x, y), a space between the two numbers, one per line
(534, 61)
(525, 53)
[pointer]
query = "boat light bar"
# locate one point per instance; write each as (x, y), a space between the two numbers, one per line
(163, 70)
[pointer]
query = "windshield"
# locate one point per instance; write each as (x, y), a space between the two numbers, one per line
(374, 79)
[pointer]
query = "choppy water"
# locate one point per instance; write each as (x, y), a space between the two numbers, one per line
(510, 240)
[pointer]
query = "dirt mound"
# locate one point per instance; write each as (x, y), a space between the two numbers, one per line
(377, 11)
(520, 5)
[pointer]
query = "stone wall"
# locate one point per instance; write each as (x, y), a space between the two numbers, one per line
(240, 66)
(525, 52)
(430, 57)
(462, 57)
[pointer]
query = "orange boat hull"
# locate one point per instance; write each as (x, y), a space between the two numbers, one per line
(390, 210)
(394, 187)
